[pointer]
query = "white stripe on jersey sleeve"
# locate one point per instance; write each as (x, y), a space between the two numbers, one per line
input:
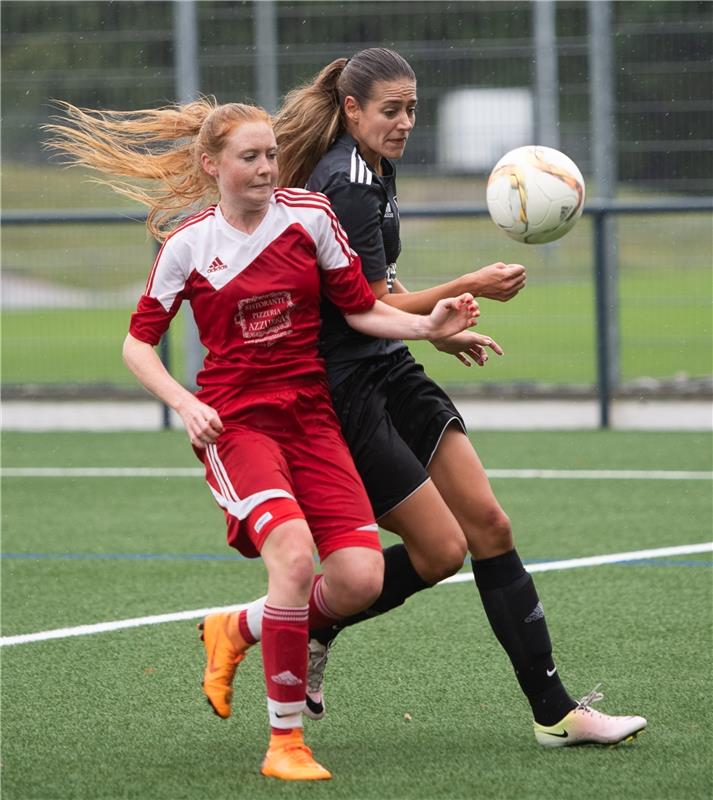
(169, 274)
(359, 171)
(333, 250)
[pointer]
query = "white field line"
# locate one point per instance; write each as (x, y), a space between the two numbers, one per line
(610, 558)
(157, 619)
(604, 474)
(190, 472)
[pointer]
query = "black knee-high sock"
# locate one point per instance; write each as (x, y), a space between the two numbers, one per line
(518, 621)
(400, 581)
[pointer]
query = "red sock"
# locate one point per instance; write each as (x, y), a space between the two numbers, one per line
(244, 628)
(320, 615)
(285, 633)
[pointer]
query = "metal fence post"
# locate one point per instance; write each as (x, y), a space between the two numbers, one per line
(546, 74)
(603, 333)
(164, 352)
(266, 77)
(186, 64)
(605, 157)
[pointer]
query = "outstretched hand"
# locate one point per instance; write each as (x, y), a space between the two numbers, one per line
(453, 315)
(498, 281)
(469, 347)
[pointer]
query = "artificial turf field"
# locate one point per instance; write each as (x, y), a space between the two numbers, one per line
(422, 702)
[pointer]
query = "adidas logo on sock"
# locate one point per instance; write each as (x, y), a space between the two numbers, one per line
(286, 678)
(536, 613)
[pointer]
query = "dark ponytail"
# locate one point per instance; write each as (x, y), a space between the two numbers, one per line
(312, 117)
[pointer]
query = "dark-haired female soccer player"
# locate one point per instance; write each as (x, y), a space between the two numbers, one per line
(340, 135)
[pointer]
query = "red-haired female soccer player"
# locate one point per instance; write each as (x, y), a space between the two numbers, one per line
(254, 266)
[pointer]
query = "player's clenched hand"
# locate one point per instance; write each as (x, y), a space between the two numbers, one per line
(202, 422)
(498, 281)
(469, 347)
(452, 315)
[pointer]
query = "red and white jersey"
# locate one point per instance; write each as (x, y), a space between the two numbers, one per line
(255, 297)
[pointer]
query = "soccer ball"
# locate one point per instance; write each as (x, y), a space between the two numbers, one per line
(535, 194)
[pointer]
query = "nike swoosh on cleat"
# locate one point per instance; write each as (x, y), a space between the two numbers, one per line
(563, 735)
(211, 661)
(550, 673)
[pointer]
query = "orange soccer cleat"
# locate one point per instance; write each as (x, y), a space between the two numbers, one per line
(289, 759)
(225, 648)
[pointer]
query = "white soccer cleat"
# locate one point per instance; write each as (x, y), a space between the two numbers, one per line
(314, 697)
(584, 725)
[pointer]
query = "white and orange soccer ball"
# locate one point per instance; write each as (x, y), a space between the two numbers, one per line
(535, 194)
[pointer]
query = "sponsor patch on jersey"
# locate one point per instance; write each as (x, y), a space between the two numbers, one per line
(265, 317)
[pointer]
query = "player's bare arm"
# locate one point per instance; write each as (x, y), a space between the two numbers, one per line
(202, 422)
(449, 316)
(497, 281)
(468, 347)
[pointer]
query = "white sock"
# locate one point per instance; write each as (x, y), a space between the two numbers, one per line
(253, 616)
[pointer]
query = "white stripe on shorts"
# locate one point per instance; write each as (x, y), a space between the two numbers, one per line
(228, 498)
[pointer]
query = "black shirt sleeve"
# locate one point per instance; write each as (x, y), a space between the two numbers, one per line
(359, 208)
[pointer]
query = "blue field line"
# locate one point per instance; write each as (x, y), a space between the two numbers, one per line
(125, 557)
(652, 562)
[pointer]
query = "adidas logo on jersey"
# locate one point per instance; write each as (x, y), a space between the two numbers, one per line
(389, 213)
(216, 265)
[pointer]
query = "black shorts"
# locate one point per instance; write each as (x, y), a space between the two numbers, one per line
(393, 417)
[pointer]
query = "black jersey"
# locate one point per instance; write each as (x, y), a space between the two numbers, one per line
(365, 204)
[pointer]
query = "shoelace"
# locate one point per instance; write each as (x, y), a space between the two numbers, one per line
(317, 665)
(593, 697)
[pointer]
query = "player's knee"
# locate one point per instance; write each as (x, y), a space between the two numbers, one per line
(452, 558)
(445, 560)
(370, 586)
(366, 587)
(299, 568)
(492, 533)
(361, 584)
(290, 557)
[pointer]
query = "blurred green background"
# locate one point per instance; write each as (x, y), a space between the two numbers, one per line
(68, 291)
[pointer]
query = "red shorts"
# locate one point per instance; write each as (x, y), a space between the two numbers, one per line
(283, 457)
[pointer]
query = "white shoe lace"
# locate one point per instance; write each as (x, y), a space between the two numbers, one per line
(318, 655)
(593, 697)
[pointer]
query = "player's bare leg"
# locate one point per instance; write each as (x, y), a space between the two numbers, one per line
(512, 605)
